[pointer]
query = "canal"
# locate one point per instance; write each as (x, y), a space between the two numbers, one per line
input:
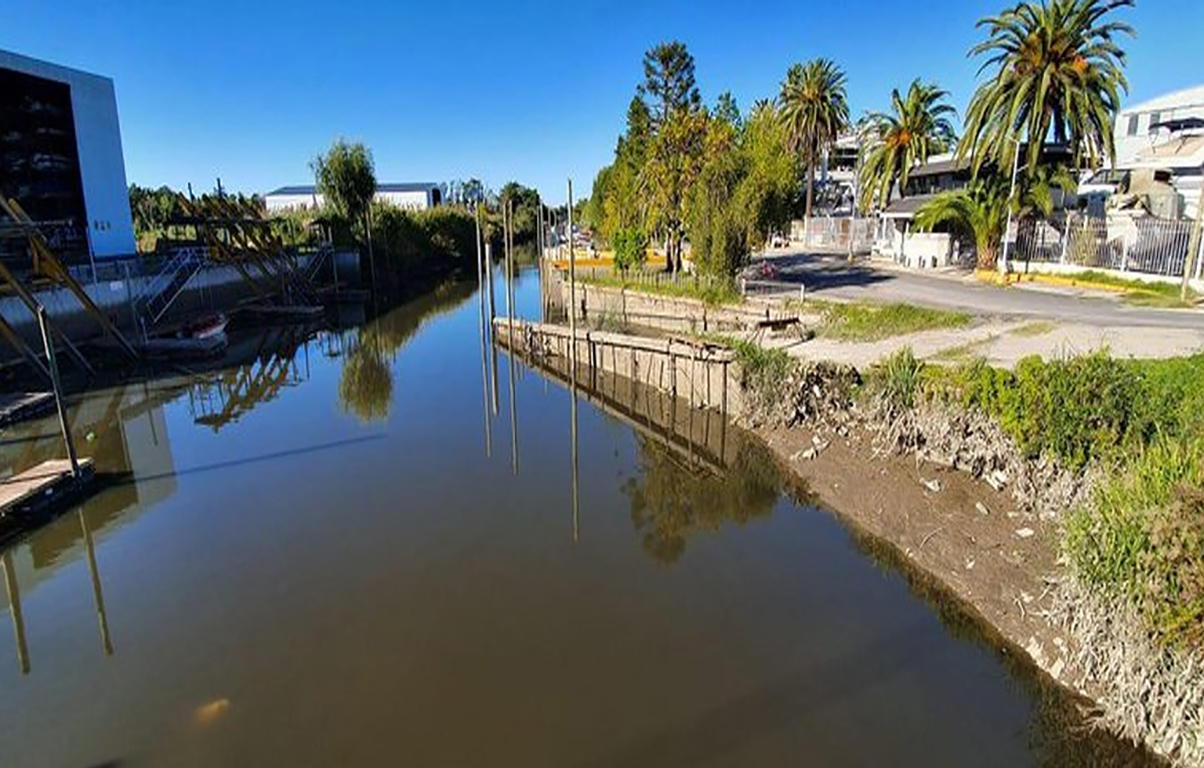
(332, 552)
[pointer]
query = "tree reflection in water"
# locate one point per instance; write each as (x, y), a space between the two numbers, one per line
(674, 498)
(366, 382)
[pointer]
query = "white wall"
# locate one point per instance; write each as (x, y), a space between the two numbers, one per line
(411, 201)
(1173, 106)
(101, 160)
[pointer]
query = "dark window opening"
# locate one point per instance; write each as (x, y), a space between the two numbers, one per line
(39, 166)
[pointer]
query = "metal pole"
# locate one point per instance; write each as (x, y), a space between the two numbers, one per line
(58, 390)
(572, 273)
(1193, 247)
(1003, 262)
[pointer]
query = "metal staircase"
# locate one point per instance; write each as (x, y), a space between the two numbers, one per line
(166, 286)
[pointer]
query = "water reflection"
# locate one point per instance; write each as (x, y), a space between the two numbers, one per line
(366, 384)
(298, 589)
(272, 365)
(674, 499)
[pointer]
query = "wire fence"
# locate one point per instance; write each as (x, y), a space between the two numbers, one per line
(1144, 245)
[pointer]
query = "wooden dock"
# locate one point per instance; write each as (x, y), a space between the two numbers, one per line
(39, 487)
(20, 406)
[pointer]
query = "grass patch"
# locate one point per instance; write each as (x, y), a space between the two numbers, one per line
(962, 353)
(709, 290)
(1140, 293)
(861, 321)
(1032, 330)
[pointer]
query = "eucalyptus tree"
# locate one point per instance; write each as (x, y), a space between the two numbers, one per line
(815, 110)
(1056, 71)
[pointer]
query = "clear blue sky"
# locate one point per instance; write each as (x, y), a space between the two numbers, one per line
(251, 91)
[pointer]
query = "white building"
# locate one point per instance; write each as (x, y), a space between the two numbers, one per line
(61, 157)
(409, 197)
(1144, 126)
(1166, 136)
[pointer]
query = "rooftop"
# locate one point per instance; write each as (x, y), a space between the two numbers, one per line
(310, 189)
(1188, 97)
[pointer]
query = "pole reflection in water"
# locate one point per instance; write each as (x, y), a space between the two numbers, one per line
(573, 368)
(98, 594)
(14, 605)
(510, 307)
(482, 330)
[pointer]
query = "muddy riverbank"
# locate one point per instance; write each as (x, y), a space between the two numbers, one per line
(952, 499)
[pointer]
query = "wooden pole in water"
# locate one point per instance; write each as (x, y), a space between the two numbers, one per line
(14, 606)
(573, 371)
(47, 342)
(98, 594)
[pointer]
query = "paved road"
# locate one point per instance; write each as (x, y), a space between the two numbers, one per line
(833, 277)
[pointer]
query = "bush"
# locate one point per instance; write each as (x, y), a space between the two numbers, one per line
(1083, 408)
(896, 381)
(1143, 536)
(631, 249)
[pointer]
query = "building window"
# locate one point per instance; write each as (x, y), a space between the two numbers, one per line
(1155, 118)
(1132, 131)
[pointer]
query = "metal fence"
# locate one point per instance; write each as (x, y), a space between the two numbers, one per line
(834, 232)
(1144, 245)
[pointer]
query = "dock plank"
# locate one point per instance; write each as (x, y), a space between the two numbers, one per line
(19, 406)
(19, 490)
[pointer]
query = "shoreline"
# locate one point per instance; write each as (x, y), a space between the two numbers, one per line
(996, 558)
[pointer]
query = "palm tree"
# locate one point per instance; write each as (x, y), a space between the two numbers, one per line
(980, 210)
(917, 126)
(815, 110)
(1057, 68)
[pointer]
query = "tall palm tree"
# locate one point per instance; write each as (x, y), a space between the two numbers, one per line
(918, 125)
(1057, 68)
(979, 210)
(815, 109)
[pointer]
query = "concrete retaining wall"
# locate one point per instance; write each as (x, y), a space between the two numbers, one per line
(595, 303)
(702, 375)
(213, 288)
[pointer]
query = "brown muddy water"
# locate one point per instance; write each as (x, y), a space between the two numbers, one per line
(309, 559)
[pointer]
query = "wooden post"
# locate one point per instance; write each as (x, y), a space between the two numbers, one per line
(483, 333)
(48, 343)
(1193, 248)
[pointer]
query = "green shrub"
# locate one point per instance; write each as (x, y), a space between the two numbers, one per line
(764, 371)
(631, 249)
(1143, 536)
(896, 381)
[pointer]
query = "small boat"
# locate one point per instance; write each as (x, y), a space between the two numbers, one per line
(205, 327)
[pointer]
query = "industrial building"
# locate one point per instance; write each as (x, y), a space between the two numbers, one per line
(409, 197)
(61, 159)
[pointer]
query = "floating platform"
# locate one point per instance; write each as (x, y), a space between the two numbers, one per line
(184, 349)
(34, 490)
(285, 313)
(22, 406)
